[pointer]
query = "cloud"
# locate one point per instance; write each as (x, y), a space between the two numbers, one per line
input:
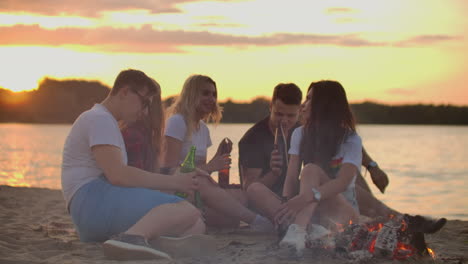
(427, 40)
(147, 39)
(91, 8)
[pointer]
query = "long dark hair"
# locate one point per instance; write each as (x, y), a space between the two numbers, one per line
(329, 122)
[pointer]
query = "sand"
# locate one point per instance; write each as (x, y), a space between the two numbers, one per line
(36, 228)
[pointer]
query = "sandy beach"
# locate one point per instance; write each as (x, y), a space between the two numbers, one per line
(36, 228)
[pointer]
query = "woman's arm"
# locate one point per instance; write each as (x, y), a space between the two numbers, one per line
(171, 153)
(338, 185)
(291, 182)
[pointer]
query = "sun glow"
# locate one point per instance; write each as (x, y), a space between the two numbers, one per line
(386, 51)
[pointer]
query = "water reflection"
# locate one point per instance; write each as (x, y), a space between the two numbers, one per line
(427, 165)
(31, 154)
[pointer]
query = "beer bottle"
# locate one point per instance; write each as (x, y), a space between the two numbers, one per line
(223, 175)
(188, 166)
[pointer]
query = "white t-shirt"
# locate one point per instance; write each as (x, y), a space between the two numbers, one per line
(349, 152)
(96, 126)
(177, 128)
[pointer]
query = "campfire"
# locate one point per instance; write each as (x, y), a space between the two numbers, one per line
(398, 238)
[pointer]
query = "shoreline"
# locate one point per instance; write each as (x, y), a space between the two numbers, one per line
(36, 228)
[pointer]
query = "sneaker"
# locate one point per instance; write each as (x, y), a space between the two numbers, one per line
(131, 247)
(187, 246)
(315, 232)
(425, 225)
(262, 224)
(294, 240)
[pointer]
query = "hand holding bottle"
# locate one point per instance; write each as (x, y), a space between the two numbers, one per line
(276, 162)
(186, 182)
(225, 148)
(219, 162)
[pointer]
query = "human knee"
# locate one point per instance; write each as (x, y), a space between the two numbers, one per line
(189, 211)
(311, 170)
(255, 188)
(205, 185)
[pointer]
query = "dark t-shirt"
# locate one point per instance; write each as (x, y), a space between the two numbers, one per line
(255, 149)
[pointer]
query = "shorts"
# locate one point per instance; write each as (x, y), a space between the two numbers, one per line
(100, 209)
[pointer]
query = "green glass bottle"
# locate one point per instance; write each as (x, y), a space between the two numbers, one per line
(188, 166)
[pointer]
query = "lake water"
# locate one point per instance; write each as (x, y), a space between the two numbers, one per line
(427, 165)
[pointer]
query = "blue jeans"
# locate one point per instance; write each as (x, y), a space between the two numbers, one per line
(100, 209)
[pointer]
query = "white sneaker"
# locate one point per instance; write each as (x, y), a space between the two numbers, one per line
(294, 240)
(317, 232)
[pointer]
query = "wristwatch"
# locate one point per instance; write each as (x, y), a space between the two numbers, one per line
(372, 164)
(317, 195)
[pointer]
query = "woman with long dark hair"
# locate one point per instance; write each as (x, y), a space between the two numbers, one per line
(331, 152)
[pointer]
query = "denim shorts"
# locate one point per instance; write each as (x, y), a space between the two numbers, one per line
(100, 209)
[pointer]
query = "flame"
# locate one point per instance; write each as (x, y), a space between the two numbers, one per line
(350, 221)
(391, 216)
(403, 251)
(432, 253)
(376, 227)
(372, 246)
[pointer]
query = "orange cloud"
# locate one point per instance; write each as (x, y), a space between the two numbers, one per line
(146, 39)
(427, 39)
(91, 8)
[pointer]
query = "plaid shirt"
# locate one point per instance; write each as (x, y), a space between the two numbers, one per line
(138, 145)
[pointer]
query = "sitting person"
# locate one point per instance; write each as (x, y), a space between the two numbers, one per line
(263, 168)
(111, 201)
(331, 150)
(186, 127)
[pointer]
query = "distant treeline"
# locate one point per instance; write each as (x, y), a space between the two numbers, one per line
(62, 101)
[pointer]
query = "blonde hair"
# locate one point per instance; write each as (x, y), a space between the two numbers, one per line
(186, 103)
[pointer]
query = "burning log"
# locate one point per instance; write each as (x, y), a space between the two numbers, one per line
(399, 238)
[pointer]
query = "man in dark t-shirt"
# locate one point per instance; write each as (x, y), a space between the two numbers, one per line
(262, 159)
(255, 152)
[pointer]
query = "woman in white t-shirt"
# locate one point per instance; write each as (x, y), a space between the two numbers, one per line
(331, 151)
(186, 127)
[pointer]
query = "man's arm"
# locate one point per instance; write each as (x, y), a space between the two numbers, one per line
(109, 159)
(291, 182)
(378, 176)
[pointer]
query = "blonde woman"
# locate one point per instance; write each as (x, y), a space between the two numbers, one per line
(186, 127)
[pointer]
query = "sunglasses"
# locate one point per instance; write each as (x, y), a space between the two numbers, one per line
(145, 101)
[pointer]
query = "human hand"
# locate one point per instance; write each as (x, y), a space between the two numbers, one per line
(288, 210)
(379, 178)
(186, 182)
(224, 147)
(205, 175)
(219, 162)
(276, 162)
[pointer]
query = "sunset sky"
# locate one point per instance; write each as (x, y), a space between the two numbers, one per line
(392, 51)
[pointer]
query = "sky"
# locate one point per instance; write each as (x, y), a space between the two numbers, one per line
(387, 51)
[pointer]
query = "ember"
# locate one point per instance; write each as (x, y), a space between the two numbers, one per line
(399, 238)
(432, 253)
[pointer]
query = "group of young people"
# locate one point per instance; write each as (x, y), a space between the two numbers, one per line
(121, 159)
